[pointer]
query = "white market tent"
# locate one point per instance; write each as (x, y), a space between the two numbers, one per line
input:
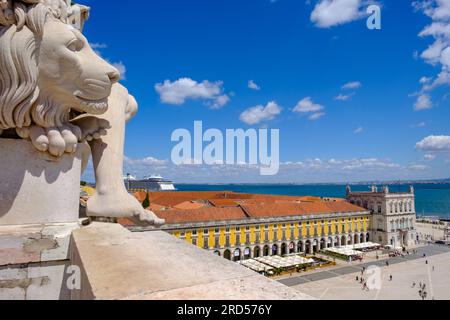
(256, 266)
(267, 264)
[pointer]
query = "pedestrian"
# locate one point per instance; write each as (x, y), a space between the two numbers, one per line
(357, 278)
(390, 277)
(426, 262)
(414, 285)
(433, 268)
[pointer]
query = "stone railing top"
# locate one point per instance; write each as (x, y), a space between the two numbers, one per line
(119, 264)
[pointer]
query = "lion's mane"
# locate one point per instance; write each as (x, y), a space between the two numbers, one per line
(22, 103)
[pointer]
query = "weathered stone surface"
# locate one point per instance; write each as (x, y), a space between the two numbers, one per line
(33, 261)
(36, 189)
(118, 264)
(35, 243)
(44, 281)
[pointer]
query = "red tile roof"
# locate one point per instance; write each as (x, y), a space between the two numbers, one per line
(201, 215)
(185, 207)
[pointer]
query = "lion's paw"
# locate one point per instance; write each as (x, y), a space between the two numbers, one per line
(91, 127)
(55, 141)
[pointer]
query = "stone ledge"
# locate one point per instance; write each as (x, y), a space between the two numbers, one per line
(119, 264)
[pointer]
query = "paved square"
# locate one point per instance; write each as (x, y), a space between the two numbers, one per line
(343, 286)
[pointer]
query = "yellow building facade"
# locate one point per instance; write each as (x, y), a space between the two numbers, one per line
(250, 238)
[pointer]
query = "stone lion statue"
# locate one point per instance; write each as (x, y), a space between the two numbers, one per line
(56, 92)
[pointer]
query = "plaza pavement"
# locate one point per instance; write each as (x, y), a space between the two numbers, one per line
(341, 284)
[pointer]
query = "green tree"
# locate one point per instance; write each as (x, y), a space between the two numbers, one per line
(146, 202)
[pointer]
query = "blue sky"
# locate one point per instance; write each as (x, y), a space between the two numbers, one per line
(390, 123)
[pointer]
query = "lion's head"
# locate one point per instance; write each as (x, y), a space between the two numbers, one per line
(47, 67)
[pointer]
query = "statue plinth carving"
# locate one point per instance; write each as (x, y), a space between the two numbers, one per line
(58, 94)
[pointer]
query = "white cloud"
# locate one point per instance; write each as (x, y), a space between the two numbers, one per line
(421, 124)
(121, 68)
(183, 89)
(316, 116)
(307, 105)
(432, 54)
(260, 113)
(423, 102)
(98, 45)
(424, 80)
(252, 85)
(443, 78)
(352, 85)
(368, 163)
(429, 157)
(418, 167)
(329, 13)
(438, 53)
(308, 170)
(148, 161)
(358, 130)
(344, 97)
(434, 144)
(220, 101)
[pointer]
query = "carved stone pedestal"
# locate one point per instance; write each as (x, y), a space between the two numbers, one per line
(35, 188)
(39, 209)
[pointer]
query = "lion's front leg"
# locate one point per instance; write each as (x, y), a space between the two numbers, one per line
(111, 198)
(56, 141)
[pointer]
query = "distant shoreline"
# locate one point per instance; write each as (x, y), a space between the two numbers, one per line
(313, 184)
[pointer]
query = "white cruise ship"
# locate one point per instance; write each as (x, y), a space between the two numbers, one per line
(150, 183)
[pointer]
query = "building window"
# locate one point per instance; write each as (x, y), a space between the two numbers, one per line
(247, 238)
(257, 227)
(227, 229)
(206, 231)
(379, 208)
(247, 228)
(292, 225)
(194, 232)
(238, 229)
(266, 226)
(217, 230)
